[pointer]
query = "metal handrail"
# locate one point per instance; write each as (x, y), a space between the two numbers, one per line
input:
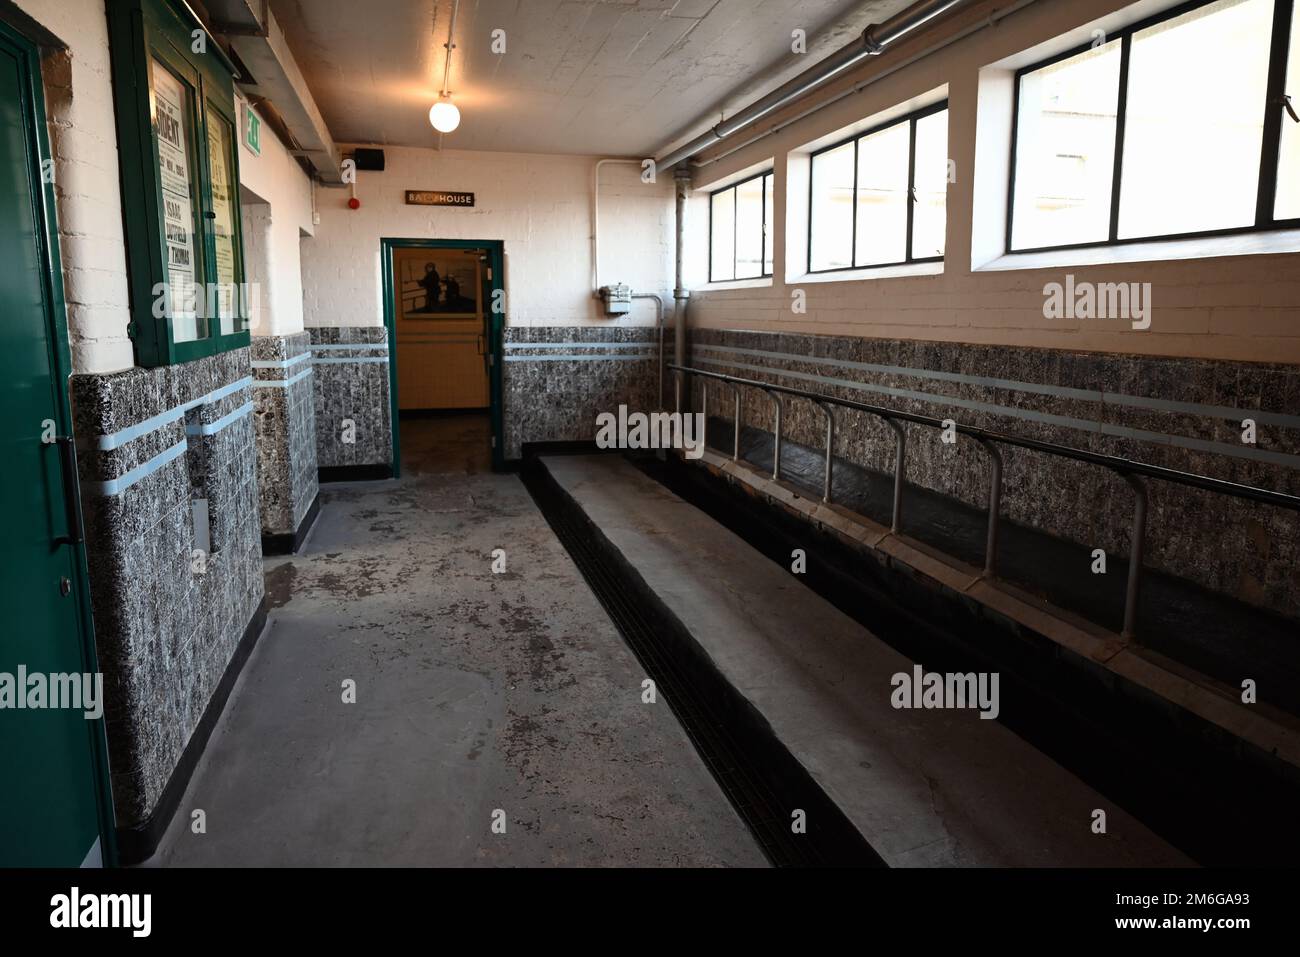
(1132, 472)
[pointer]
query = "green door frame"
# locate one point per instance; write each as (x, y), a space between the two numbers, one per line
(496, 327)
(60, 359)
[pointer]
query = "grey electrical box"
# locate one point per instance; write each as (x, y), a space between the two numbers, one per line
(617, 299)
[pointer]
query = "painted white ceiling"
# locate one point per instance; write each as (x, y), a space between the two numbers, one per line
(607, 77)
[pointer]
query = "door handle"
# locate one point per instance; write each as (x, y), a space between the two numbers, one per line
(71, 493)
(479, 343)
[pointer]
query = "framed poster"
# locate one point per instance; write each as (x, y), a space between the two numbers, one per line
(171, 101)
(439, 284)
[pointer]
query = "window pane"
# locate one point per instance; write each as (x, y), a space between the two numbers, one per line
(1287, 205)
(1065, 150)
(882, 196)
(929, 212)
(225, 303)
(831, 243)
(171, 106)
(749, 229)
(722, 224)
(768, 219)
(1195, 120)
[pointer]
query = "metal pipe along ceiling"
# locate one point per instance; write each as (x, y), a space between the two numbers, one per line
(872, 42)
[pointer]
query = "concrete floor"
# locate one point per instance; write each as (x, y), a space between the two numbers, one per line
(475, 692)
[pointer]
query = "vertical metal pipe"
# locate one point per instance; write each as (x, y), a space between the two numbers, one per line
(704, 414)
(776, 438)
(659, 328)
(995, 505)
(735, 452)
(896, 521)
(682, 181)
(830, 451)
(1135, 555)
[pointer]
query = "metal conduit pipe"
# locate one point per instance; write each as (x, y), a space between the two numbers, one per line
(682, 181)
(659, 327)
(872, 42)
(992, 20)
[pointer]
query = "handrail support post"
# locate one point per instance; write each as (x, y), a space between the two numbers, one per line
(776, 436)
(896, 519)
(830, 450)
(1136, 548)
(995, 506)
(735, 451)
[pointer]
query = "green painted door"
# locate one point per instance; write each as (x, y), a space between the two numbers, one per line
(49, 784)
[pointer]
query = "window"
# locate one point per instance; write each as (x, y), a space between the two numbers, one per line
(880, 198)
(174, 99)
(1173, 127)
(740, 230)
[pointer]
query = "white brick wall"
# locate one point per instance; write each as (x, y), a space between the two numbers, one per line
(538, 204)
(83, 140)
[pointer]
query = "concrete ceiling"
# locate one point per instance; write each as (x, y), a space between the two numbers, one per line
(600, 77)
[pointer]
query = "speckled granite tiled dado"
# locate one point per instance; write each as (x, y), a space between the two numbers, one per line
(350, 381)
(285, 420)
(166, 622)
(1130, 406)
(555, 393)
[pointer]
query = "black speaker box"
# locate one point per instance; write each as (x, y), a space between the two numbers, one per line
(370, 160)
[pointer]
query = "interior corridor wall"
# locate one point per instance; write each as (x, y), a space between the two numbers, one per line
(277, 194)
(971, 340)
(540, 207)
(275, 178)
(151, 441)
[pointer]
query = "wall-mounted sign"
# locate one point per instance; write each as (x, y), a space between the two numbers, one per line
(438, 197)
(252, 131)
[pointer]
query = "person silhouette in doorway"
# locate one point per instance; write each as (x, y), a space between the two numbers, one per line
(432, 284)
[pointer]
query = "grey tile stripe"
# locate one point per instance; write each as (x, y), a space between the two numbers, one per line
(117, 486)
(212, 428)
(280, 364)
(320, 360)
(579, 345)
(122, 436)
(1089, 395)
(317, 347)
(576, 358)
(281, 383)
(1084, 425)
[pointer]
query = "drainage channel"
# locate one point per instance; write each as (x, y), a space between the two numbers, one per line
(763, 782)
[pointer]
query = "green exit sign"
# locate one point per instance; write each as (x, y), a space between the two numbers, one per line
(252, 131)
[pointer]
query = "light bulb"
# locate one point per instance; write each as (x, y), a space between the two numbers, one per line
(444, 116)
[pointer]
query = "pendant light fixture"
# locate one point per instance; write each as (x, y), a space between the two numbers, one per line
(444, 115)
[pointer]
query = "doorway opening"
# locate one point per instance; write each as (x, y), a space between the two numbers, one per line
(444, 306)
